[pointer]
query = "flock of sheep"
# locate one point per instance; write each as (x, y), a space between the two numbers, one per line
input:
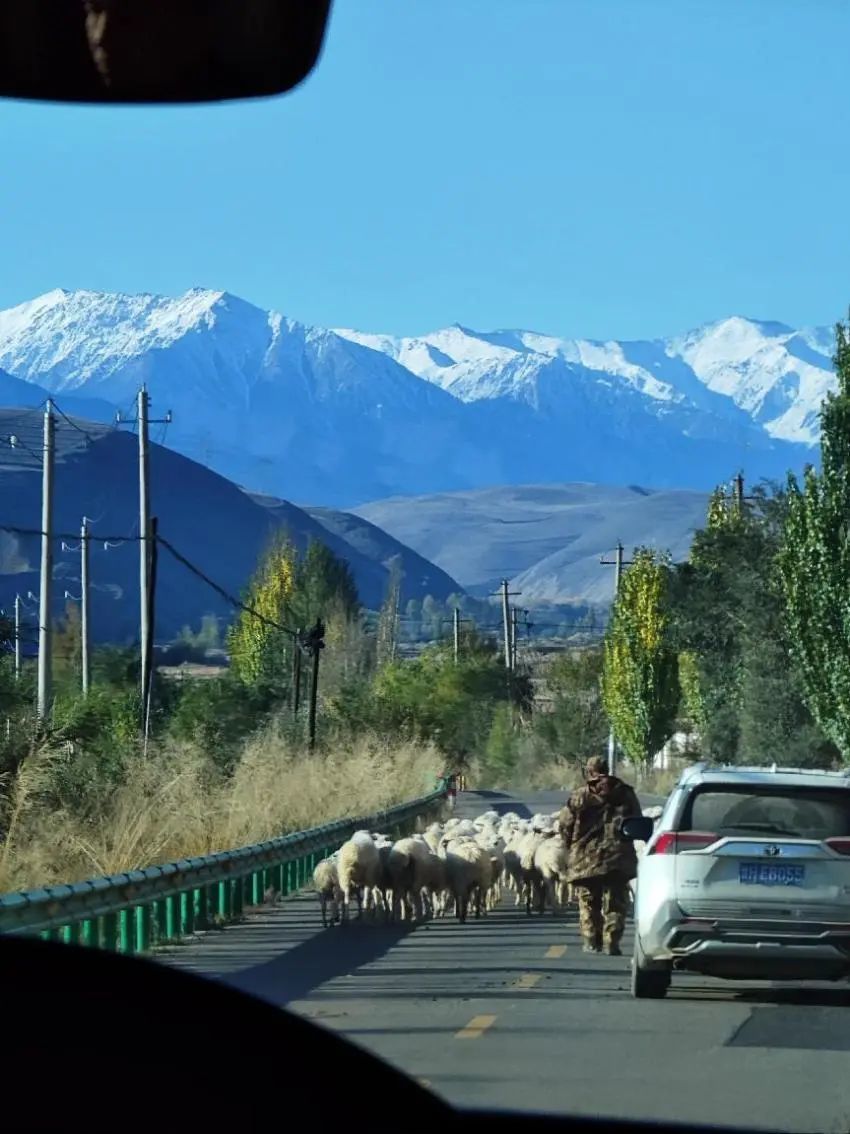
(452, 868)
(455, 867)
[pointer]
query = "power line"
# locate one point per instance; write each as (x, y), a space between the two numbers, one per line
(226, 595)
(114, 539)
(73, 424)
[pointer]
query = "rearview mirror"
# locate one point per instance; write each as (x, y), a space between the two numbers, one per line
(637, 828)
(154, 51)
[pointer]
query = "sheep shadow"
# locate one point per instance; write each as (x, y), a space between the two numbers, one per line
(324, 956)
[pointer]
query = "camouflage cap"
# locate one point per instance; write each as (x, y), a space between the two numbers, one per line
(596, 766)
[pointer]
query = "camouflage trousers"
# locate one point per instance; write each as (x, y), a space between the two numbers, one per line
(603, 904)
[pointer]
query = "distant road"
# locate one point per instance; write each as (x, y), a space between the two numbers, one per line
(507, 1012)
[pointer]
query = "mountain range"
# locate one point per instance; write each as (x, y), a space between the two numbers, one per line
(339, 417)
(218, 527)
(546, 539)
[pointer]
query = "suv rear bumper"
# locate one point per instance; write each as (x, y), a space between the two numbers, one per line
(760, 950)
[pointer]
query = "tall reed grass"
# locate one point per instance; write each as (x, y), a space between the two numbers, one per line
(175, 803)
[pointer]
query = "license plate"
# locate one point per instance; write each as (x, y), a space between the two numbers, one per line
(771, 874)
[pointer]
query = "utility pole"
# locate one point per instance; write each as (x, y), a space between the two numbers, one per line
(147, 660)
(514, 623)
(515, 631)
(296, 673)
(144, 421)
(619, 563)
(738, 496)
(456, 624)
(315, 644)
(85, 664)
(45, 629)
(17, 637)
(144, 533)
(506, 622)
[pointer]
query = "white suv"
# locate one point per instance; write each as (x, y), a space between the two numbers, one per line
(746, 875)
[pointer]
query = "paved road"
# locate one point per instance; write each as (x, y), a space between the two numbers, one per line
(507, 1012)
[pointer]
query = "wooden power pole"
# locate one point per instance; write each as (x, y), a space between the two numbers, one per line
(85, 663)
(45, 622)
(296, 673)
(506, 623)
(456, 624)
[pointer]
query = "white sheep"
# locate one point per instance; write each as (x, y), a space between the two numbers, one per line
(359, 871)
(326, 883)
(467, 872)
(408, 865)
(550, 861)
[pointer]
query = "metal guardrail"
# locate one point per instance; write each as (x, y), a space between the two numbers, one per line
(133, 912)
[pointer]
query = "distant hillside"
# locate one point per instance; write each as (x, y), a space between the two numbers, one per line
(547, 539)
(420, 576)
(207, 518)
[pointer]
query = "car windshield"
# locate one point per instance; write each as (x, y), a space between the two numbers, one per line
(798, 813)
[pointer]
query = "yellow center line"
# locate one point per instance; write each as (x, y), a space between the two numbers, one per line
(476, 1027)
(527, 980)
(555, 951)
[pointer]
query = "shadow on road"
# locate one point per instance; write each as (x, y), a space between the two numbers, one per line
(324, 956)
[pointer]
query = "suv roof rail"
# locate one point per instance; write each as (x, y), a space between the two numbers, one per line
(693, 770)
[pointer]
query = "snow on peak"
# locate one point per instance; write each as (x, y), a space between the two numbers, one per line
(65, 339)
(776, 374)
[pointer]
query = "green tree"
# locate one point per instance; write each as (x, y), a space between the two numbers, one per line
(67, 650)
(815, 563)
(640, 680)
(387, 631)
(413, 619)
(740, 692)
(500, 751)
(577, 727)
(260, 650)
(323, 587)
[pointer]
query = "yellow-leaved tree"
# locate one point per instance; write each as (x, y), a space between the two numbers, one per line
(640, 677)
(259, 652)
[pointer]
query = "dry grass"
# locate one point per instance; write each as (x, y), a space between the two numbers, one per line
(175, 804)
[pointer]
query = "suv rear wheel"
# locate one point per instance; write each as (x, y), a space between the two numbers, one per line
(648, 983)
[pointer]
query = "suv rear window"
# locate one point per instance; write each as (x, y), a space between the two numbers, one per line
(791, 813)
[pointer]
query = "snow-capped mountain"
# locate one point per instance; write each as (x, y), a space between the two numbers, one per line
(340, 417)
(776, 375)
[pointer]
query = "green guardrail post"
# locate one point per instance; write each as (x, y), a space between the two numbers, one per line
(200, 914)
(157, 930)
(86, 932)
(125, 930)
(257, 890)
(223, 899)
(172, 915)
(187, 921)
(142, 927)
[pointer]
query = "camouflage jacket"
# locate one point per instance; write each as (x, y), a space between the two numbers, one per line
(589, 824)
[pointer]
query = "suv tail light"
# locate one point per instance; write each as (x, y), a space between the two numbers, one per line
(674, 842)
(841, 845)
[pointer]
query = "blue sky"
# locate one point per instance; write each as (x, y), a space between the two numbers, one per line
(603, 168)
